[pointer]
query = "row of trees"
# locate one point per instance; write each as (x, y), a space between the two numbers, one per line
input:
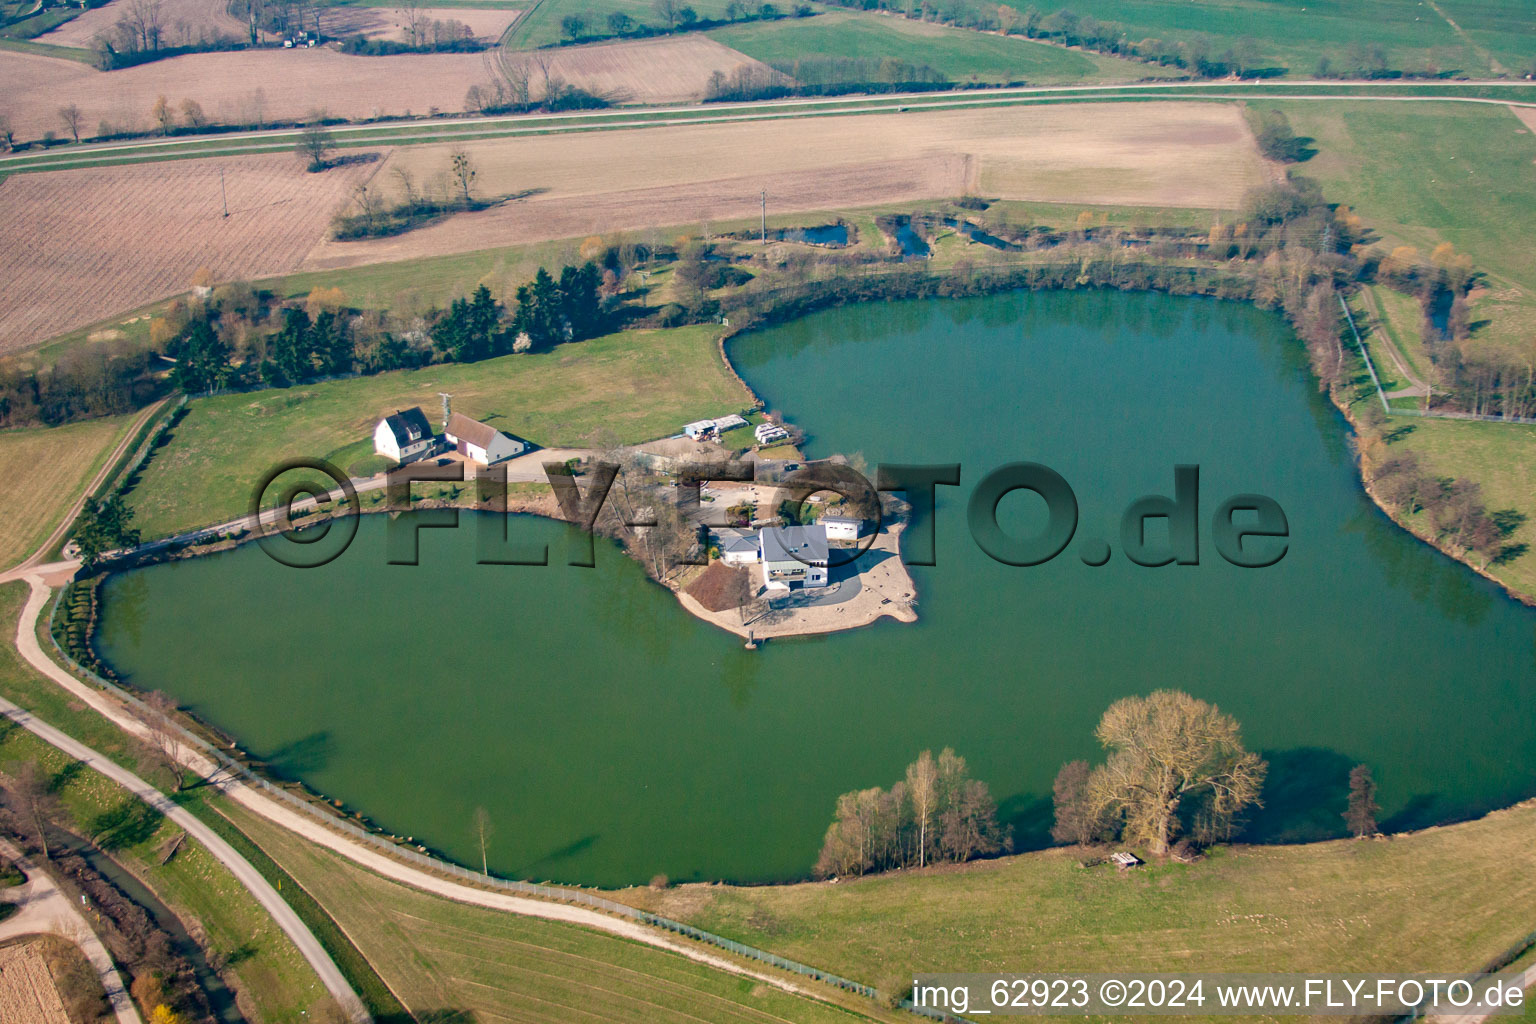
(822, 76)
(371, 213)
(105, 379)
(424, 35)
(936, 814)
(672, 16)
(1452, 510)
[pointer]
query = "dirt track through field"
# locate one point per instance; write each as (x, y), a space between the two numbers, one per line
(78, 246)
(255, 86)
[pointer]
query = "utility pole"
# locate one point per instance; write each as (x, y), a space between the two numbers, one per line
(765, 216)
(223, 196)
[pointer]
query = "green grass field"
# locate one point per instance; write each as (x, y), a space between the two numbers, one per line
(269, 971)
(1425, 173)
(1444, 899)
(621, 388)
(45, 469)
(1293, 34)
(961, 55)
(440, 956)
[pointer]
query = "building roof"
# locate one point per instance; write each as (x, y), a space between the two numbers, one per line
(794, 544)
(408, 426)
(476, 433)
(730, 422)
(689, 428)
(736, 542)
(840, 521)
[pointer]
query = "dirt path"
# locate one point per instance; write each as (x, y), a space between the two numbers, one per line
(90, 488)
(292, 925)
(1417, 388)
(43, 907)
(1493, 63)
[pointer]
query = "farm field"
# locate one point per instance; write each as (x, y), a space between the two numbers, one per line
(44, 470)
(1160, 154)
(1293, 34)
(27, 992)
(90, 243)
(487, 23)
(962, 55)
(258, 86)
(183, 21)
(435, 953)
(1338, 906)
(624, 387)
(1438, 172)
(668, 69)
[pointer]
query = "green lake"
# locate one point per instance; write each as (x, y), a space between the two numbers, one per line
(612, 737)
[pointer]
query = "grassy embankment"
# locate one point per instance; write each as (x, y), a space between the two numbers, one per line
(1448, 898)
(960, 54)
(44, 470)
(437, 954)
(621, 388)
(274, 980)
(1442, 173)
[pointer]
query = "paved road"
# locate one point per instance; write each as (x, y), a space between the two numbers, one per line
(390, 133)
(44, 908)
(26, 641)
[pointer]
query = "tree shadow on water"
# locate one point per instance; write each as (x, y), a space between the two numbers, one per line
(307, 754)
(569, 850)
(1028, 817)
(1304, 796)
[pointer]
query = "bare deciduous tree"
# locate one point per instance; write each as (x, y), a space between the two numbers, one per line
(464, 173)
(483, 832)
(368, 204)
(71, 117)
(414, 20)
(165, 736)
(164, 116)
(36, 799)
(668, 11)
(923, 791)
(1076, 820)
(409, 197)
(315, 143)
(1361, 813)
(1168, 750)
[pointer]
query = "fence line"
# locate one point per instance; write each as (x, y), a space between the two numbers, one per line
(238, 770)
(1427, 414)
(1387, 408)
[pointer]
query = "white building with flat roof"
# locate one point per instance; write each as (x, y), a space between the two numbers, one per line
(842, 527)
